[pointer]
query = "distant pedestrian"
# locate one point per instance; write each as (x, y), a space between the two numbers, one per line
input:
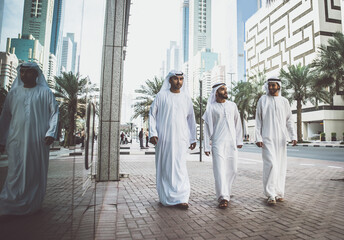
(28, 125)
(222, 125)
(274, 123)
(82, 137)
(141, 138)
(122, 138)
(172, 128)
(147, 139)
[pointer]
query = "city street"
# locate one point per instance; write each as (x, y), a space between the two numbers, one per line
(130, 209)
(320, 153)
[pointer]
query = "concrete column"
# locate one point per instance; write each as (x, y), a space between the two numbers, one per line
(116, 23)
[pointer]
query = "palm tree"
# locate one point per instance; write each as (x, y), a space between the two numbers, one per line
(258, 80)
(330, 65)
(197, 107)
(242, 92)
(70, 91)
(147, 95)
(301, 81)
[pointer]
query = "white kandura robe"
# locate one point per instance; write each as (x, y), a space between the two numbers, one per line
(227, 134)
(29, 115)
(274, 123)
(172, 120)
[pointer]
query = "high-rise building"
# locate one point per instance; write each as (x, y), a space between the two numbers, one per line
(57, 31)
(204, 61)
(52, 69)
(11, 13)
(8, 69)
(37, 21)
(57, 26)
(69, 51)
(74, 54)
(173, 58)
(199, 38)
(185, 30)
(27, 49)
(290, 33)
(200, 26)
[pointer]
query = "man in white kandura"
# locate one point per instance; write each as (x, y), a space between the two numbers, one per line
(28, 125)
(172, 128)
(274, 123)
(223, 128)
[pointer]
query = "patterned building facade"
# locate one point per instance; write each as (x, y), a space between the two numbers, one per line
(288, 33)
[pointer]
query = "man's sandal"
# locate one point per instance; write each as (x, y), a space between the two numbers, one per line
(271, 201)
(223, 204)
(279, 199)
(183, 206)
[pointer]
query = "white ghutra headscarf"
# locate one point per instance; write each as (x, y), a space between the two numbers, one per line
(273, 79)
(40, 80)
(208, 116)
(167, 85)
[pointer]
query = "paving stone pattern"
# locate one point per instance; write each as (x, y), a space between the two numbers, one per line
(130, 209)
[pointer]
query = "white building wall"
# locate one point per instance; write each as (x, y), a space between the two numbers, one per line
(8, 69)
(52, 70)
(289, 33)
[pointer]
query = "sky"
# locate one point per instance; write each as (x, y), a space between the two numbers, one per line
(152, 25)
(151, 29)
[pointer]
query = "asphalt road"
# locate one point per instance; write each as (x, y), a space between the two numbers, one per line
(319, 153)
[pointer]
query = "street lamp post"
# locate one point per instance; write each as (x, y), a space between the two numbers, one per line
(200, 121)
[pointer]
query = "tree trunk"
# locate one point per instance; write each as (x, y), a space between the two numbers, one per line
(299, 121)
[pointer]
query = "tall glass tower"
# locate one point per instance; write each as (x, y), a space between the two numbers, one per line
(57, 27)
(185, 33)
(37, 21)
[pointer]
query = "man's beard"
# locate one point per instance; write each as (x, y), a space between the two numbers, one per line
(223, 96)
(273, 92)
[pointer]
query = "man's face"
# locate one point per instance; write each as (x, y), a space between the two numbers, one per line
(273, 88)
(28, 76)
(176, 82)
(222, 92)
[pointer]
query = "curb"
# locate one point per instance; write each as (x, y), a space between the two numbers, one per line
(137, 153)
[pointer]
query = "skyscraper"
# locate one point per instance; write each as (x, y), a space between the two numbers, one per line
(199, 40)
(57, 27)
(37, 20)
(69, 51)
(173, 58)
(185, 29)
(200, 26)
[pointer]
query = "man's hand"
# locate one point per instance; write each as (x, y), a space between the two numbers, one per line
(48, 140)
(154, 140)
(207, 153)
(2, 148)
(259, 144)
(192, 146)
(294, 142)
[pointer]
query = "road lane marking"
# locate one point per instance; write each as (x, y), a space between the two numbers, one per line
(333, 167)
(306, 164)
(293, 150)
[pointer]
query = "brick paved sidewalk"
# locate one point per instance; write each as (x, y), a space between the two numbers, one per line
(129, 209)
